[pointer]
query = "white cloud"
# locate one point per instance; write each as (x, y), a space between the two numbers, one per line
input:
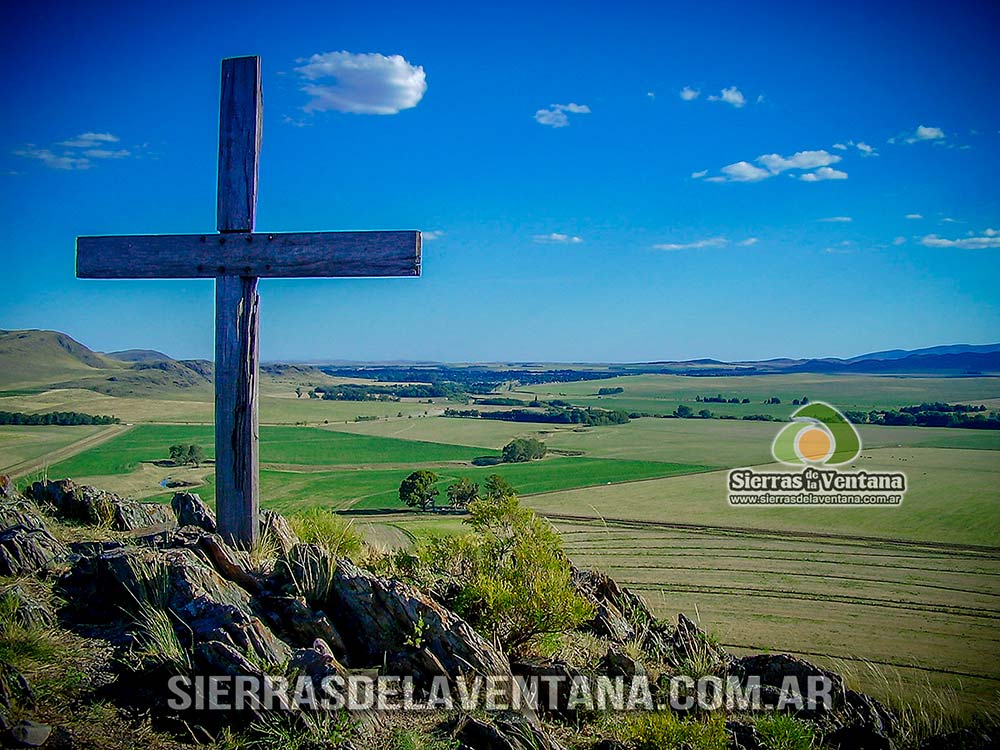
(53, 160)
(824, 173)
(988, 238)
(749, 241)
(364, 84)
(555, 115)
(899, 241)
(89, 140)
(103, 153)
(557, 238)
(78, 152)
(730, 95)
(799, 160)
(651, 94)
(837, 219)
(430, 236)
(840, 146)
(924, 133)
(689, 94)
(865, 149)
(697, 245)
(742, 171)
(699, 175)
(914, 216)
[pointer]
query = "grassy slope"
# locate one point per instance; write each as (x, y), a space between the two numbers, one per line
(22, 443)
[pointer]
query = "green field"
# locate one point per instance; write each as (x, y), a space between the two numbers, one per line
(661, 394)
(19, 444)
(914, 589)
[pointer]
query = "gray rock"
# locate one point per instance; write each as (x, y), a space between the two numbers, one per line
(29, 734)
(191, 510)
(380, 619)
(209, 607)
(276, 528)
(508, 731)
(688, 641)
(26, 546)
(744, 736)
(773, 669)
(30, 608)
(616, 663)
(97, 507)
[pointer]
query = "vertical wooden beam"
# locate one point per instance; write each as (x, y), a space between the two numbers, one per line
(237, 358)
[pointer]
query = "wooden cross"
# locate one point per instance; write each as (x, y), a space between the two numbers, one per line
(236, 257)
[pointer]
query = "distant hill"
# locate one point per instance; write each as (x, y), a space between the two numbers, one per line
(947, 349)
(139, 355)
(31, 357)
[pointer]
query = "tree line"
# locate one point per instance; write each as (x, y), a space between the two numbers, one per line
(184, 455)
(588, 416)
(54, 418)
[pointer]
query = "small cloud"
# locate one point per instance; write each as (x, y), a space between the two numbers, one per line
(689, 94)
(799, 160)
(865, 149)
(430, 236)
(731, 95)
(89, 140)
(899, 241)
(949, 220)
(742, 171)
(53, 160)
(914, 216)
(837, 219)
(840, 146)
(699, 175)
(361, 84)
(760, 99)
(103, 153)
(748, 242)
(824, 173)
(651, 94)
(697, 245)
(988, 238)
(838, 250)
(557, 238)
(555, 115)
(924, 133)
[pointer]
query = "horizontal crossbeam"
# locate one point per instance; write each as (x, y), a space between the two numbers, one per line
(268, 255)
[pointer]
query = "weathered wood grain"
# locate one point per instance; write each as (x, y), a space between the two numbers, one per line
(240, 130)
(237, 368)
(278, 255)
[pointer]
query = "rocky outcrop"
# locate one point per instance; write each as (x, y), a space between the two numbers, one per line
(209, 607)
(26, 546)
(28, 606)
(191, 510)
(508, 731)
(385, 621)
(275, 528)
(98, 507)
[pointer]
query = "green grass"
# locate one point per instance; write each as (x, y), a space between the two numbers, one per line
(289, 491)
(661, 394)
(279, 445)
(22, 443)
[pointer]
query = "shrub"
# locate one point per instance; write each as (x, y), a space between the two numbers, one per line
(659, 730)
(784, 732)
(329, 530)
(512, 576)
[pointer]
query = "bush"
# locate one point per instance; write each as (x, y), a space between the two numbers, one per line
(328, 530)
(510, 578)
(658, 730)
(784, 732)
(520, 450)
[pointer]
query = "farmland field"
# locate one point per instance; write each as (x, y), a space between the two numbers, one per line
(913, 590)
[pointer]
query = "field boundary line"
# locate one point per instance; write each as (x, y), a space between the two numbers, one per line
(67, 451)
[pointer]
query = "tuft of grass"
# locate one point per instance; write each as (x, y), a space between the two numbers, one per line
(20, 641)
(318, 526)
(311, 568)
(783, 732)
(657, 730)
(157, 643)
(278, 730)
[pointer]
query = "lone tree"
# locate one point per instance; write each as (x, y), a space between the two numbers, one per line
(496, 486)
(182, 455)
(418, 490)
(519, 450)
(463, 492)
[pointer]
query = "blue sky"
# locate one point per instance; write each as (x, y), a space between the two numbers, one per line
(602, 181)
